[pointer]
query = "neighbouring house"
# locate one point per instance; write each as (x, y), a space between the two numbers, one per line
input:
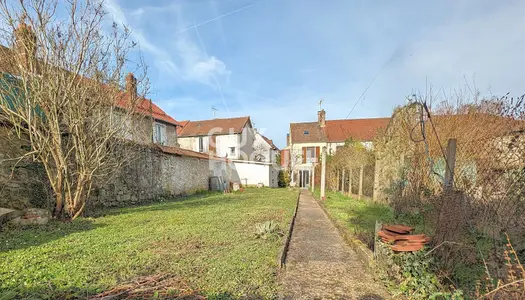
(264, 149)
(158, 168)
(306, 141)
(232, 138)
(156, 127)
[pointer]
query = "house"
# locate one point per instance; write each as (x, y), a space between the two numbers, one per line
(264, 149)
(306, 141)
(157, 127)
(232, 137)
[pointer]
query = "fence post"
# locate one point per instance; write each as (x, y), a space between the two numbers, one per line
(343, 182)
(451, 164)
(361, 181)
(323, 174)
(377, 169)
(350, 183)
(313, 177)
(337, 180)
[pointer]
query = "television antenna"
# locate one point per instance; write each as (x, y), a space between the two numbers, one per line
(214, 111)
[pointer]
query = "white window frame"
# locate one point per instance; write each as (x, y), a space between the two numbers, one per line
(200, 146)
(159, 134)
(311, 158)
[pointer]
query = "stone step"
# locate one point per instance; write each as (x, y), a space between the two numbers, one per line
(7, 214)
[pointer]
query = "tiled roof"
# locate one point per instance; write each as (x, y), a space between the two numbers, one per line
(148, 108)
(188, 153)
(364, 130)
(214, 127)
(270, 142)
(337, 130)
(308, 132)
(144, 107)
(182, 125)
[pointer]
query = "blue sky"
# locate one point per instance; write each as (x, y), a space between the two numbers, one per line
(273, 59)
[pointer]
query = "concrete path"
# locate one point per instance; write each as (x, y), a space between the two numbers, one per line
(320, 265)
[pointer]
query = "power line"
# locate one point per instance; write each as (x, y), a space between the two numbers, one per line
(366, 89)
(218, 17)
(392, 58)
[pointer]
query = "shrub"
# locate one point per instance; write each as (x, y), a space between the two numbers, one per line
(284, 178)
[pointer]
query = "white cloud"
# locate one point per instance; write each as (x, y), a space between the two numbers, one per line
(186, 58)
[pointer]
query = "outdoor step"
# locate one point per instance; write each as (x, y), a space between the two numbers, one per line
(7, 214)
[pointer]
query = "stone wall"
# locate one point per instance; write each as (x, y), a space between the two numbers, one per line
(23, 183)
(154, 174)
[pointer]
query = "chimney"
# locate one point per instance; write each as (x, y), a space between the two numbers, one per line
(131, 85)
(287, 139)
(25, 45)
(321, 117)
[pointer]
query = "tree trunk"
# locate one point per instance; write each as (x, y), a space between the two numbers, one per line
(59, 195)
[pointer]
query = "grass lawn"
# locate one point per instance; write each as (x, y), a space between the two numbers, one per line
(358, 216)
(208, 240)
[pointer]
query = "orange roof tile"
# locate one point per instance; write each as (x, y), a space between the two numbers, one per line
(337, 130)
(214, 127)
(270, 142)
(147, 107)
(363, 130)
(143, 107)
(188, 153)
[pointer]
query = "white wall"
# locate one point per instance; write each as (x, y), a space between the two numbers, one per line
(262, 147)
(223, 144)
(192, 143)
(255, 173)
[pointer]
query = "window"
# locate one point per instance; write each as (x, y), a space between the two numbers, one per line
(310, 155)
(201, 144)
(159, 134)
(306, 132)
(232, 151)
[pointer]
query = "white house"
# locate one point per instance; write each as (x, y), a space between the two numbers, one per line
(232, 138)
(306, 141)
(264, 149)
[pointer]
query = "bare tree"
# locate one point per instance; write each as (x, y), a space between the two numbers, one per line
(60, 89)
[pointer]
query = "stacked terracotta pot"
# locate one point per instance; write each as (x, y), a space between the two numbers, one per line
(400, 238)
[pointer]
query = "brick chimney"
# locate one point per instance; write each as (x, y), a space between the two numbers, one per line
(131, 85)
(25, 45)
(321, 117)
(287, 139)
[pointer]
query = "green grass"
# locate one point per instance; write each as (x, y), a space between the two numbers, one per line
(208, 240)
(357, 216)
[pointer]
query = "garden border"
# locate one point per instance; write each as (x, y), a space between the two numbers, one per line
(286, 245)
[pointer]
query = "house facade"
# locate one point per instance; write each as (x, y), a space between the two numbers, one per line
(153, 124)
(232, 138)
(264, 149)
(306, 141)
